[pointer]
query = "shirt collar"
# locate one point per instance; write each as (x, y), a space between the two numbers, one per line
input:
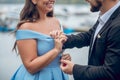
(103, 18)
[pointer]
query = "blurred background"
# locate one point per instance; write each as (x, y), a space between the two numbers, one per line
(74, 15)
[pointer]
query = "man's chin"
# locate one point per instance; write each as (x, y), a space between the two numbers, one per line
(94, 9)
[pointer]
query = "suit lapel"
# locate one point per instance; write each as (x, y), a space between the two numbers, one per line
(105, 26)
(91, 41)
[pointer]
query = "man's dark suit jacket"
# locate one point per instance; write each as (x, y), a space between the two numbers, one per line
(104, 58)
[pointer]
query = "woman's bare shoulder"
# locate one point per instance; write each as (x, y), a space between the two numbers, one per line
(26, 25)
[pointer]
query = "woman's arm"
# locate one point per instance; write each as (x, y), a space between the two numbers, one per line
(28, 53)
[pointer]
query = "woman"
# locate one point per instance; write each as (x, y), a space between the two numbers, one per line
(40, 53)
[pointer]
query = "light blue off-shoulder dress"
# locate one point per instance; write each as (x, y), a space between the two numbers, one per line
(44, 44)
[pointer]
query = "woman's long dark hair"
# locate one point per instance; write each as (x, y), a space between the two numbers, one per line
(29, 13)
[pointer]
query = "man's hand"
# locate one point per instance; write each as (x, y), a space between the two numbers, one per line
(66, 57)
(67, 66)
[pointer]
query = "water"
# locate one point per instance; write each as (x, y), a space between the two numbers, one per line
(75, 17)
(10, 61)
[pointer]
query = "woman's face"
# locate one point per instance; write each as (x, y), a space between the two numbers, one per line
(95, 5)
(45, 5)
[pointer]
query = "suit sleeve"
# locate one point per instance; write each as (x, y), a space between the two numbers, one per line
(79, 40)
(110, 70)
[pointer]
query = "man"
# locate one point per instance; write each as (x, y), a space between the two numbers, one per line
(104, 42)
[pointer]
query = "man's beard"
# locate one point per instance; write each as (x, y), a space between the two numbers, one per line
(96, 8)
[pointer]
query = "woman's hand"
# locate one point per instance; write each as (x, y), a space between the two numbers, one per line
(58, 45)
(58, 34)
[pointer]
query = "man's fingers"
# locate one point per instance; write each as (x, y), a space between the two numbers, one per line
(66, 57)
(64, 61)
